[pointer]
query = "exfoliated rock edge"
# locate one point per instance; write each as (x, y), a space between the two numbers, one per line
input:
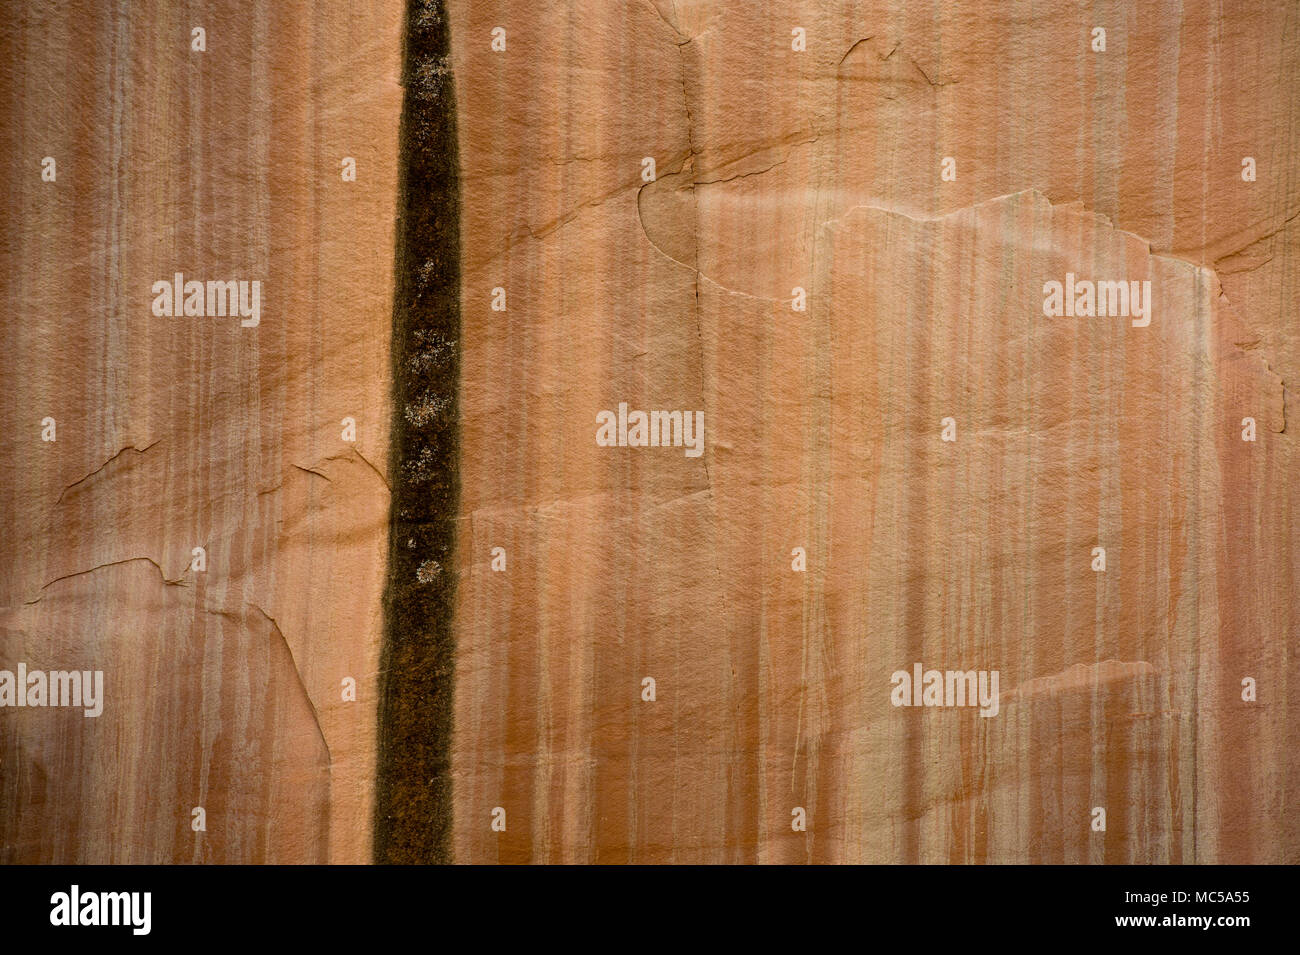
(413, 801)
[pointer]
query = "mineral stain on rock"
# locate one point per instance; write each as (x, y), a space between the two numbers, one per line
(413, 803)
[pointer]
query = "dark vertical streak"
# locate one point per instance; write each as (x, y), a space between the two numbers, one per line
(413, 799)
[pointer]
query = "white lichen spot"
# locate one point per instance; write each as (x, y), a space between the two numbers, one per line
(420, 413)
(426, 14)
(429, 78)
(427, 571)
(421, 469)
(432, 352)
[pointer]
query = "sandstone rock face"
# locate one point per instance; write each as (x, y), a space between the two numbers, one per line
(822, 170)
(223, 687)
(944, 570)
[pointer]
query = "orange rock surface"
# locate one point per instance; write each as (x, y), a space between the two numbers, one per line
(822, 170)
(223, 687)
(831, 230)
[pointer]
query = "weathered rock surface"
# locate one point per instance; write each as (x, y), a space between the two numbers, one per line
(826, 541)
(822, 170)
(223, 687)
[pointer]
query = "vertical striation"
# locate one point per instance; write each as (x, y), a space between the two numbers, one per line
(413, 812)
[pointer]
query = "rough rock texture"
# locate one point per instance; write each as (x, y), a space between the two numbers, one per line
(822, 170)
(828, 538)
(223, 687)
